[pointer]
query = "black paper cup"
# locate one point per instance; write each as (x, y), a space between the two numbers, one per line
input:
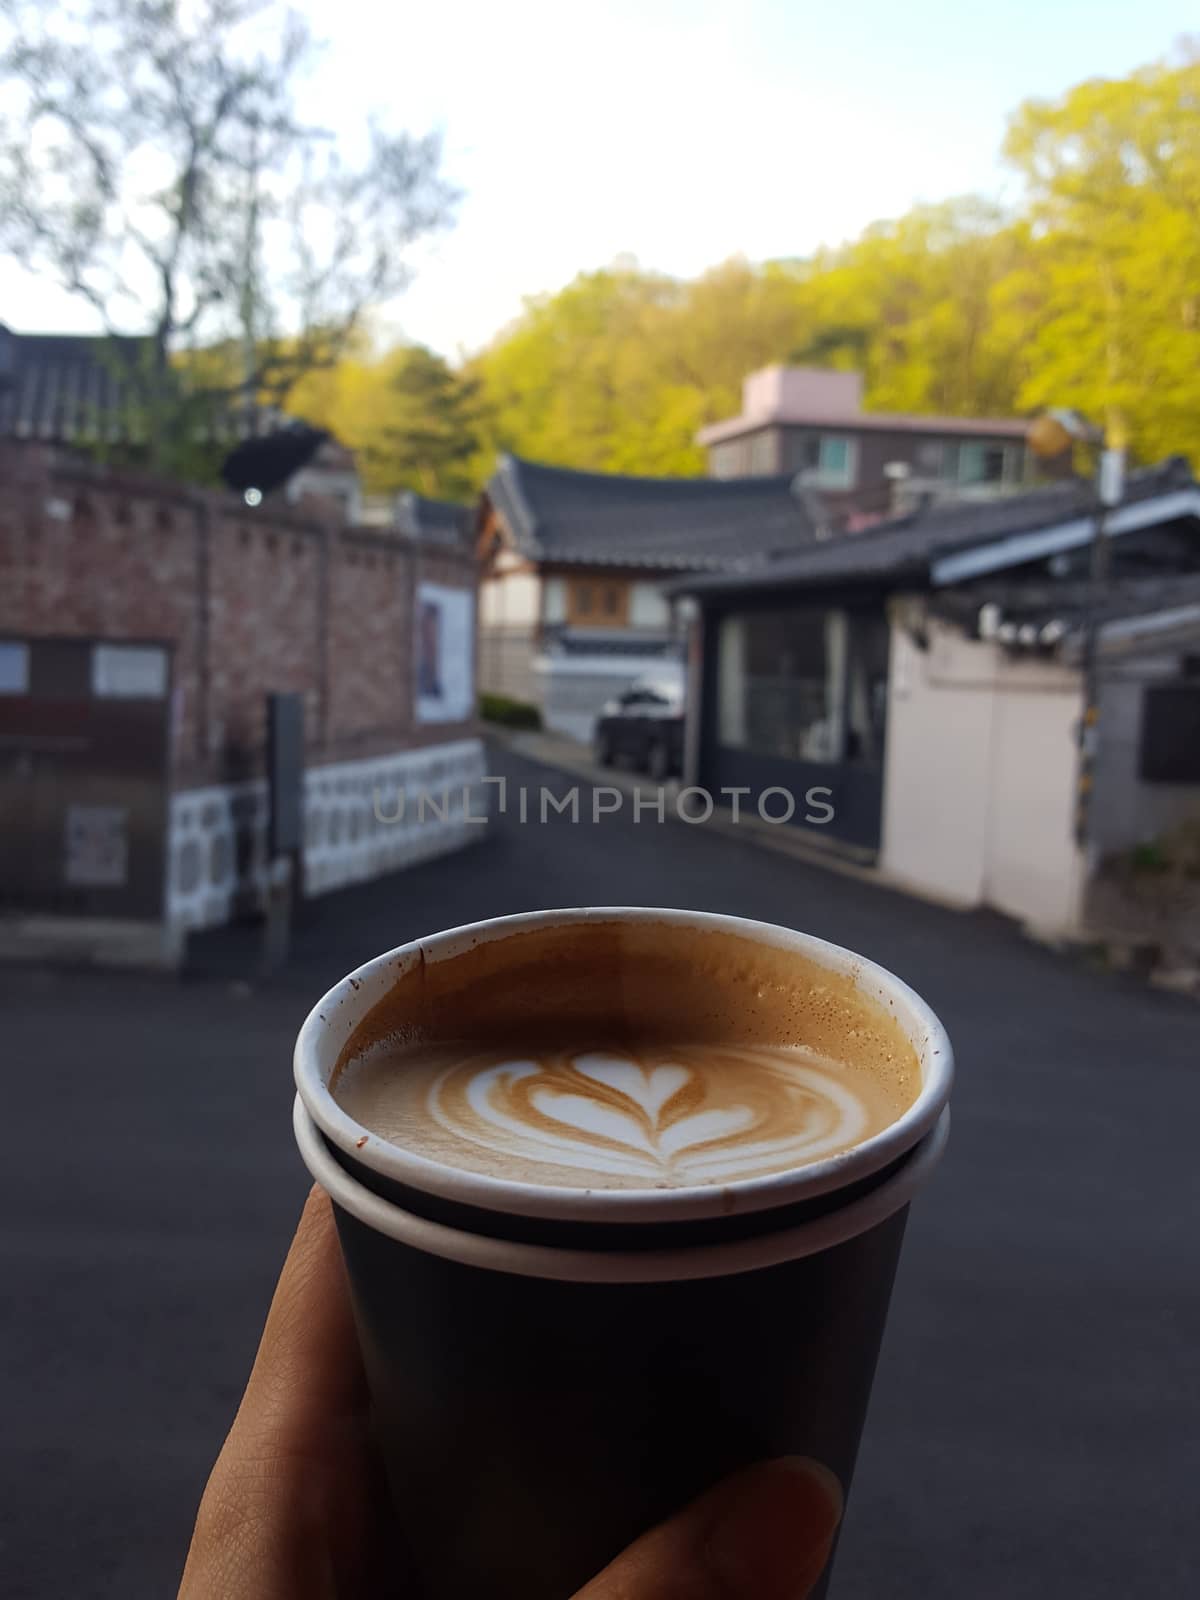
(553, 1371)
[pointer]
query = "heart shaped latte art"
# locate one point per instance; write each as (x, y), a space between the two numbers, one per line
(697, 1114)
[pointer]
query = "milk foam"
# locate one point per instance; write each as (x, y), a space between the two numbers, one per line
(628, 1117)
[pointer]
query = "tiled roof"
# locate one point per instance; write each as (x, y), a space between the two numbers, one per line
(684, 524)
(437, 521)
(908, 547)
(63, 387)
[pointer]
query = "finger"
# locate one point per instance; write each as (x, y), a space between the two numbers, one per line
(283, 1514)
(764, 1534)
(308, 1367)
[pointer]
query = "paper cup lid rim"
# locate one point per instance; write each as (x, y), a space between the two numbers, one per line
(686, 1262)
(623, 1205)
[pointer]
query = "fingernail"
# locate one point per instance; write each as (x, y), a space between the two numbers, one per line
(823, 1478)
(772, 1528)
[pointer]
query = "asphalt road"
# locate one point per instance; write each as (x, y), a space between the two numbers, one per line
(1034, 1427)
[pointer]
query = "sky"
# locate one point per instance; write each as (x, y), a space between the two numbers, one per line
(681, 132)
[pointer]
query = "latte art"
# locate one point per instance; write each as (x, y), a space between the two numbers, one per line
(664, 1116)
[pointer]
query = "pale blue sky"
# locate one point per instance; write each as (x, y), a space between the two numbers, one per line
(683, 131)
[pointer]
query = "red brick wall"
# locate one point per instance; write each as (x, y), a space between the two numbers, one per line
(251, 602)
(370, 636)
(264, 617)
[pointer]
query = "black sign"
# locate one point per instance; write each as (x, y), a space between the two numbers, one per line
(285, 772)
(1171, 733)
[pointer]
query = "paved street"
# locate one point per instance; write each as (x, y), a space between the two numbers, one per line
(1034, 1427)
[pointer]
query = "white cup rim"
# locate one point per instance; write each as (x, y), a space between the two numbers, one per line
(335, 1016)
(713, 1260)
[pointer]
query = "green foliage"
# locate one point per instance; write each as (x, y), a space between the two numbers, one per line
(1148, 857)
(429, 428)
(411, 419)
(619, 370)
(1088, 296)
(508, 713)
(1109, 296)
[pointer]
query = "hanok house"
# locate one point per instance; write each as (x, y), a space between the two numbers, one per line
(572, 607)
(927, 674)
(146, 632)
(802, 420)
(71, 389)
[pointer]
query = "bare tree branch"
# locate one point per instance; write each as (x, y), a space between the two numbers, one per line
(252, 231)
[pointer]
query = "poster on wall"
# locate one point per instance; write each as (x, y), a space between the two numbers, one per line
(97, 847)
(444, 634)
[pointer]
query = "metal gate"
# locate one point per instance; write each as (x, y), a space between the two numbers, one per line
(84, 731)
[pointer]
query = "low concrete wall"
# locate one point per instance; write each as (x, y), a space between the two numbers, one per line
(217, 837)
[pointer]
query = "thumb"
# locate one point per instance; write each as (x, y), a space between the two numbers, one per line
(763, 1534)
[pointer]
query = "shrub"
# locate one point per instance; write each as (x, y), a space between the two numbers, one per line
(509, 713)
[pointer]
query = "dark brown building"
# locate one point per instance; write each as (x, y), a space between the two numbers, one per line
(800, 420)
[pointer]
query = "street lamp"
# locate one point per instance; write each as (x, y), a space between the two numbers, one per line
(1050, 436)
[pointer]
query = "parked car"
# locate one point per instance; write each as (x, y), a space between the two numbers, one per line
(643, 728)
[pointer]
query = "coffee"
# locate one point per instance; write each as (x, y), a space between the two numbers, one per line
(605, 1056)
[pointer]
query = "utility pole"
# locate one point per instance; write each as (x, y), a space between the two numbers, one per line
(1051, 437)
(1110, 486)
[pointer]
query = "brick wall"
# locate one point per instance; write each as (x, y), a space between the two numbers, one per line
(251, 602)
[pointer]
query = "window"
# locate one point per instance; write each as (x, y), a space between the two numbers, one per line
(972, 461)
(725, 460)
(804, 685)
(1170, 742)
(597, 603)
(14, 666)
(129, 672)
(762, 455)
(778, 677)
(868, 641)
(829, 460)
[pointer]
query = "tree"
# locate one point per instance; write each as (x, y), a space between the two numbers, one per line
(412, 421)
(429, 433)
(617, 371)
(155, 164)
(1110, 303)
(570, 381)
(910, 304)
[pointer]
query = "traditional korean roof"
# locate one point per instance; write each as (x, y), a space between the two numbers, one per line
(960, 541)
(687, 524)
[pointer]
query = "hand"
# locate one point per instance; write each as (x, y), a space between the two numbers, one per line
(294, 1509)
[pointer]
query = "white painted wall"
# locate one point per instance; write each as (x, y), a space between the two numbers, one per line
(1033, 870)
(362, 819)
(980, 778)
(648, 607)
(509, 604)
(510, 600)
(490, 601)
